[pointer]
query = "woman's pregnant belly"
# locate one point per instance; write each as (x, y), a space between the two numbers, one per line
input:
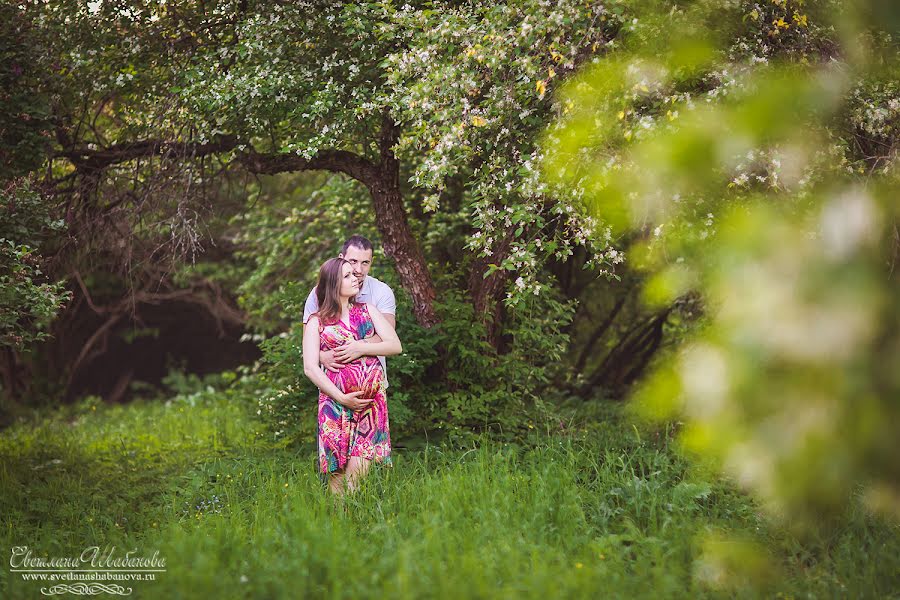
(362, 375)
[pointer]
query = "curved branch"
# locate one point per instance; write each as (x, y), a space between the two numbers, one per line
(98, 159)
(337, 161)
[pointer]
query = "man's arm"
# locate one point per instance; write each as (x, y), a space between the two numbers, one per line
(369, 346)
(386, 304)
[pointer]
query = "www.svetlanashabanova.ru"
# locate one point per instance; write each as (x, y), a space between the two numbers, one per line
(22, 558)
(92, 576)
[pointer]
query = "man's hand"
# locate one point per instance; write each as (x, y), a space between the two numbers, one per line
(329, 361)
(350, 351)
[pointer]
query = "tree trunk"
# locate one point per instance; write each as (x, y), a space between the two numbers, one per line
(401, 246)
(588, 349)
(627, 360)
(487, 292)
(393, 224)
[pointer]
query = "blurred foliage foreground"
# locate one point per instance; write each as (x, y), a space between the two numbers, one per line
(792, 385)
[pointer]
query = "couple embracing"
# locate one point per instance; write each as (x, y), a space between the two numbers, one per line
(349, 322)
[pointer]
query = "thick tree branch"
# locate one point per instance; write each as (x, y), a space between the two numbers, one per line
(97, 159)
(336, 161)
(588, 349)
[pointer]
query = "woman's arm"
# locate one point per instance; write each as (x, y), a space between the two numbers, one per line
(317, 375)
(326, 357)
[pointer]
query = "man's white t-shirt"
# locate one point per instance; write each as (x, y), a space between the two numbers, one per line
(374, 292)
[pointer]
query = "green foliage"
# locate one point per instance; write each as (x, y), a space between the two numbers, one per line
(789, 388)
(289, 400)
(503, 61)
(191, 386)
(458, 383)
(754, 200)
(291, 226)
(28, 303)
(25, 75)
(282, 80)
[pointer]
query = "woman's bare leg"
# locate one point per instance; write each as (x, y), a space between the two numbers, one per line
(357, 469)
(336, 482)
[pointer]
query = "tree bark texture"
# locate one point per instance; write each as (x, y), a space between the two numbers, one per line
(487, 292)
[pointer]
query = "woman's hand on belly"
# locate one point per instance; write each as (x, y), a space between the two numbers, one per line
(355, 401)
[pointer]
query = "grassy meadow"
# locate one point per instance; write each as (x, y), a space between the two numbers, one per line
(606, 511)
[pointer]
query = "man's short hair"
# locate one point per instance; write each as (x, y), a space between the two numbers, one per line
(357, 241)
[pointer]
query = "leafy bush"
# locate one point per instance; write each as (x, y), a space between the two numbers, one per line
(448, 378)
(28, 303)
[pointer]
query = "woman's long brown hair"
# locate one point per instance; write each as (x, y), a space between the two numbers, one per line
(328, 291)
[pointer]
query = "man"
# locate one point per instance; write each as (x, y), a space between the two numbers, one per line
(357, 251)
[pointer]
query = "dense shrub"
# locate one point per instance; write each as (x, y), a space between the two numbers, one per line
(447, 379)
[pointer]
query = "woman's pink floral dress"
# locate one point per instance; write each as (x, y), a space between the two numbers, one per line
(343, 433)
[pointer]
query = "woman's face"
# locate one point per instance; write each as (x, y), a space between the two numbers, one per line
(349, 283)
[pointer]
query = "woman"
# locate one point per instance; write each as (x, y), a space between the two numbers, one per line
(353, 418)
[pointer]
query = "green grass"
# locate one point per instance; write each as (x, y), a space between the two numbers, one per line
(608, 512)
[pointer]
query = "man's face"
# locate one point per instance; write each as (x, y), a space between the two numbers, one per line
(360, 260)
